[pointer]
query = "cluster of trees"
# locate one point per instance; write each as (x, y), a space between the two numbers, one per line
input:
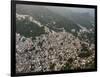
(28, 29)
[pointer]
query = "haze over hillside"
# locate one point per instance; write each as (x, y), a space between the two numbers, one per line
(52, 38)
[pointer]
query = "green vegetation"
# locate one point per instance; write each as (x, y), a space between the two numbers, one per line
(28, 29)
(67, 66)
(85, 52)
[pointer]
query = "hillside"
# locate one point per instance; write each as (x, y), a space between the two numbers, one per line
(53, 39)
(53, 52)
